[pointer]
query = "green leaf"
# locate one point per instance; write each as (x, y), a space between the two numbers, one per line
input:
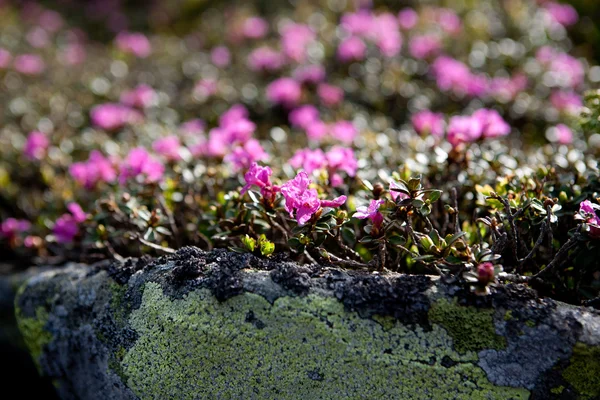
(452, 239)
(414, 183)
(266, 247)
(249, 242)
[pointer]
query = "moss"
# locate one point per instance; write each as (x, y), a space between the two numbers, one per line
(508, 315)
(299, 347)
(34, 334)
(530, 323)
(557, 390)
(471, 328)
(583, 373)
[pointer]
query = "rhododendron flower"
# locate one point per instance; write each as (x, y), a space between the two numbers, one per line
(303, 116)
(265, 59)
(193, 127)
(309, 74)
(428, 123)
(113, 116)
(424, 46)
(309, 160)
(359, 23)
(295, 39)
(52, 21)
(386, 35)
(77, 212)
(244, 156)
(560, 134)
(565, 70)
(351, 49)
(563, 14)
(397, 194)
(255, 28)
(587, 213)
(304, 202)
(233, 114)
(66, 227)
(566, 101)
(73, 54)
(330, 95)
(139, 163)
(10, 227)
(5, 58)
(462, 129)
(344, 131)
(449, 21)
(205, 87)
(261, 177)
(96, 169)
(142, 96)
(29, 64)
(220, 56)
(371, 212)
(508, 88)
(168, 147)
(408, 18)
(284, 91)
(485, 273)
(36, 145)
(492, 123)
(451, 74)
(341, 159)
(134, 43)
(317, 130)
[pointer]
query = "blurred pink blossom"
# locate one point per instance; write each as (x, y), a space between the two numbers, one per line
(284, 91)
(344, 131)
(255, 28)
(424, 46)
(359, 23)
(5, 58)
(168, 147)
(220, 56)
(134, 43)
(492, 123)
(113, 116)
(563, 14)
(463, 129)
(242, 157)
(428, 123)
(316, 130)
(330, 95)
(351, 49)
(309, 74)
(36, 145)
(142, 96)
(265, 59)
(567, 101)
(10, 227)
(408, 18)
(93, 171)
(303, 116)
(139, 163)
(295, 39)
(29, 64)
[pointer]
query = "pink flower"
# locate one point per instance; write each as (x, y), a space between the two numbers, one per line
(134, 43)
(220, 56)
(508, 88)
(5, 58)
(10, 227)
(65, 229)
(140, 163)
(587, 213)
(78, 214)
(449, 21)
(309, 74)
(386, 35)
(563, 14)
(424, 46)
(261, 177)
(205, 87)
(316, 130)
(408, 18)
(341, 159)
(36, 145)
(330, 95)
(193, 127)
(142, 96)
(265, 59)
(564, 70)
(395, 193)
(371, 212)
(295, 39)
(303, 116)
(73, 54)
(309, 160)
(233, 114)
(359, 23)
(351, 49)
(566, 101)
(304, 201)
(452, 74)
(113, 116)
(242, 157)
(255, 28)
(284, 91)
(428, 123)
(344, 131)
(492, 123)
(29, 64)
(485, 273)
(168, 147)
(96, 169)
(560, 134)
(462, 129)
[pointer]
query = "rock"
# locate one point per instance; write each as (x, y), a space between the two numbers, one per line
(224, 325)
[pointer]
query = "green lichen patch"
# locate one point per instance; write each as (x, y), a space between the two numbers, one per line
(34, 333)
(299, 347)
(583, 373)
(471, 328)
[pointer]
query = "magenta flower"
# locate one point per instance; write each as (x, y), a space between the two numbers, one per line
(303, 116)
(233, 114)
(242, 157)
(73, 54)
(563, 14)
(255, 28)
(113, 116)
(205, 87)
(220, 56)
(93, 171)
(316, 130)
(396, 194)
(485, 273)
(428, 123)
(508, 88)
(142, 96)
(193, 127)
(284, 91)
(449, 21)
(351, 49)
(309, 160)
(261, 177)
(492, 123)
(65, 229)
(462, 129)
(168, 147)
(36, 145)
(5, 58)
(295, 39)
(565, 70)
(77, 212)
(304, 202)
(330, 95)
(359, 23)
(10, 227)
(139, 163)
(312, 74)
(408, 18)
(265, 59)
(344, 131)
(341, 159)
(560, 134)
(134, 43)
(424, 46)
(386, 35)
(451, 74)
(371, 212)
(566, 101)
(587, 213)
(29, 64)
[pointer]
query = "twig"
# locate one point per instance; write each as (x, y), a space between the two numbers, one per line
(348, 263)
(564, 250)
(155, 246)
(454, 194)
(550, 235)
(537, 244)
(163, 203)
